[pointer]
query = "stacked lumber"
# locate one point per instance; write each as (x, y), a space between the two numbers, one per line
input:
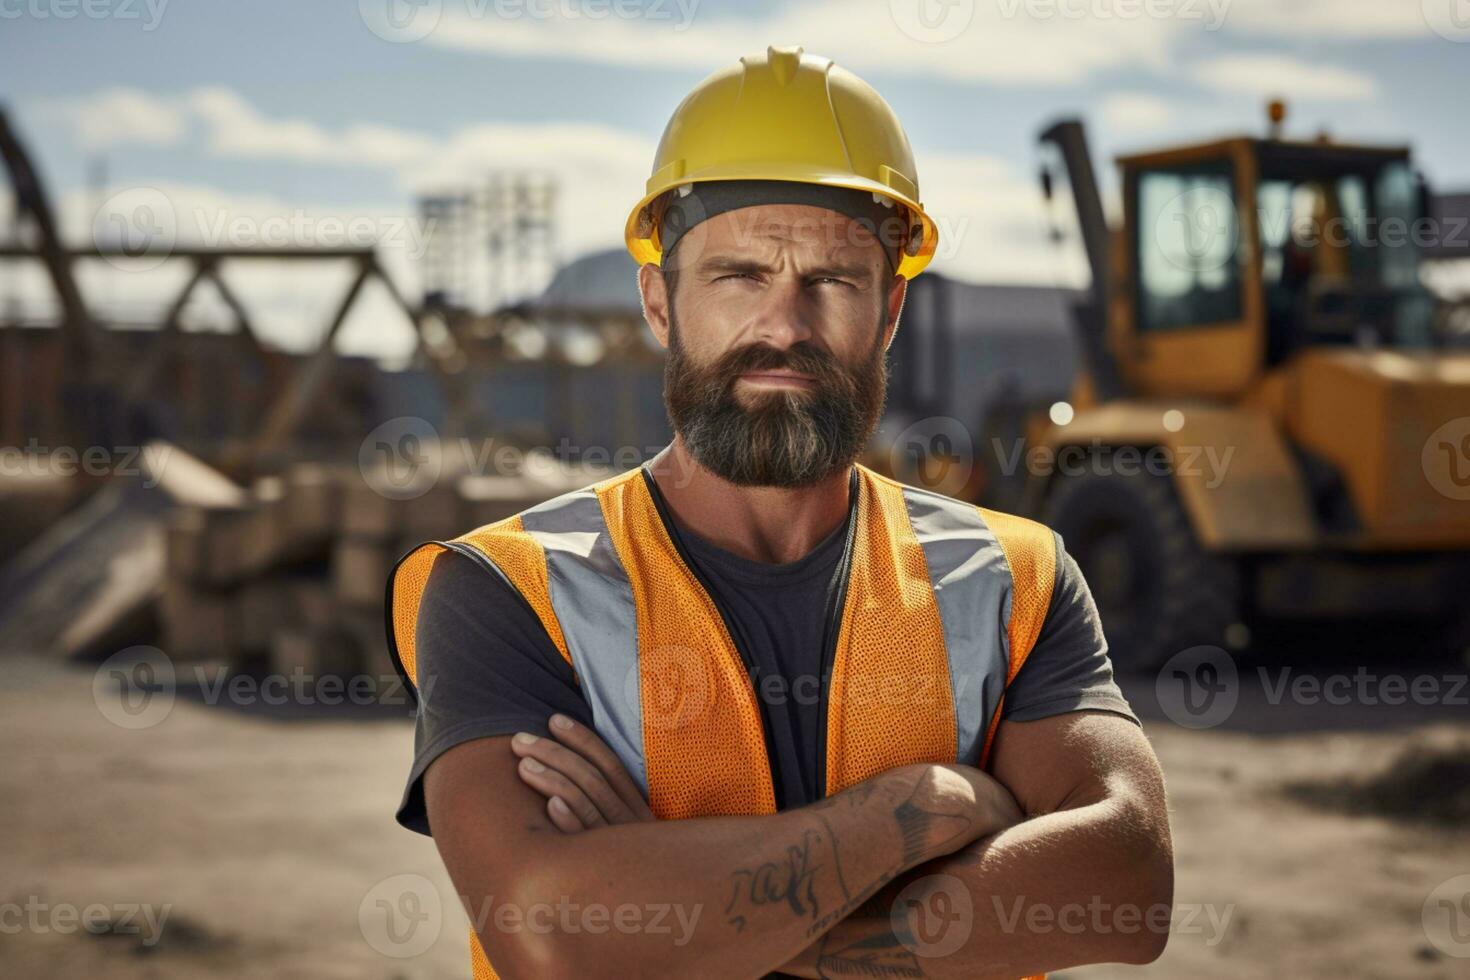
(291, 579)
(285, 577)
(89, 584)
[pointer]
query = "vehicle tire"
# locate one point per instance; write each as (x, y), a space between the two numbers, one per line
(1157, 590)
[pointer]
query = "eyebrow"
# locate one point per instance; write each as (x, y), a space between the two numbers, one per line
(728, 264)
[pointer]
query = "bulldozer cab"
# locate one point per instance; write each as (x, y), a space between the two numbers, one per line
(1236, 254)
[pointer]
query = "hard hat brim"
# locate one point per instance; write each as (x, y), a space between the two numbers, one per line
(644, 247)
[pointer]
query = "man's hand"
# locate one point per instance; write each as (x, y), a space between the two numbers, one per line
(584, 783)
(586, 786)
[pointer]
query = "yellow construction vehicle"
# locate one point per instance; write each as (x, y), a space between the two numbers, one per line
(1266, 423)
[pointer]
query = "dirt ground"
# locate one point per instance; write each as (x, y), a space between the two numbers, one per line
(268, 841)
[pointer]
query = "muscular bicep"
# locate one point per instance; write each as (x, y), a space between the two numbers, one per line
(1077, 759)
(489, 826)
(486, 667)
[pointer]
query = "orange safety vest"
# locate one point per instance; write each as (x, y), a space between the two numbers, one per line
(939, 603)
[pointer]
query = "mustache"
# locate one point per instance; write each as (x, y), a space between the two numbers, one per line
(802, 358)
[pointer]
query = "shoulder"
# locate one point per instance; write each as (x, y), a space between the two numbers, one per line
(1029, 549)
(1032, 549)
(568, 510)
(1011, 526)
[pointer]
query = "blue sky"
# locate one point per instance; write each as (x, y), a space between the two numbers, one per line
(236, 112)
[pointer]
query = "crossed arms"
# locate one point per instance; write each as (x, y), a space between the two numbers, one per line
(1073, 817)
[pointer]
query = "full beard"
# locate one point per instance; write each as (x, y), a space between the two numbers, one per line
(784, 439)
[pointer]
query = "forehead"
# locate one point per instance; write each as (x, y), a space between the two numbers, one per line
(794, 228)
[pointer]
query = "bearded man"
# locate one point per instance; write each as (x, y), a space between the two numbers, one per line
(753, 707)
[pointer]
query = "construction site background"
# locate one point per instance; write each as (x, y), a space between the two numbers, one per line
(207, 735)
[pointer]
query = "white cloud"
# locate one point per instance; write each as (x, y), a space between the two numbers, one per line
(1003, 43)
(1342, 19)
(994, 225)
(1272, 74)
(236, 128)
(233, 127)
(599, 171)
(124, 115)
(1135, 111)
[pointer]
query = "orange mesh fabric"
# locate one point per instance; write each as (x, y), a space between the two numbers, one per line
(407, 583)
(890, 702)
(521, 558)
(1031, 553)
(480, 968)
(507, 544)
(702, 738)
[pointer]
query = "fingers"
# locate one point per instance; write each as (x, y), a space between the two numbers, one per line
(586, 743)
(564, 766)
(562, 816)
(552, 784)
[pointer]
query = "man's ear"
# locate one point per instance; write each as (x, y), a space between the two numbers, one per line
(655, 301)
(897, 291)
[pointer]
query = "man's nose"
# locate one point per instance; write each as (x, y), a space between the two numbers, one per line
(782, 319)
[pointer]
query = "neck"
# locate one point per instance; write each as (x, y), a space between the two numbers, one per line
(769, 524)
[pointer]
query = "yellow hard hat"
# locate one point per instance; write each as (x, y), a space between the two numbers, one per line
(785, 115)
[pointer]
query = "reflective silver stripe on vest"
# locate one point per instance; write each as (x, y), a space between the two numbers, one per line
(593, 601)
(972, 586)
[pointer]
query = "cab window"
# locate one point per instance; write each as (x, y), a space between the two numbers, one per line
(1186, 238)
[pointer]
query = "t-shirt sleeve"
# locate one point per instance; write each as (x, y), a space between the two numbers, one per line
(1068, 668)
(485, 666)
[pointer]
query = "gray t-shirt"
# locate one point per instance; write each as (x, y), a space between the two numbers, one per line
(487, 667)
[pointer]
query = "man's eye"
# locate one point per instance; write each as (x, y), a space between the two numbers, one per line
(832, 280)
